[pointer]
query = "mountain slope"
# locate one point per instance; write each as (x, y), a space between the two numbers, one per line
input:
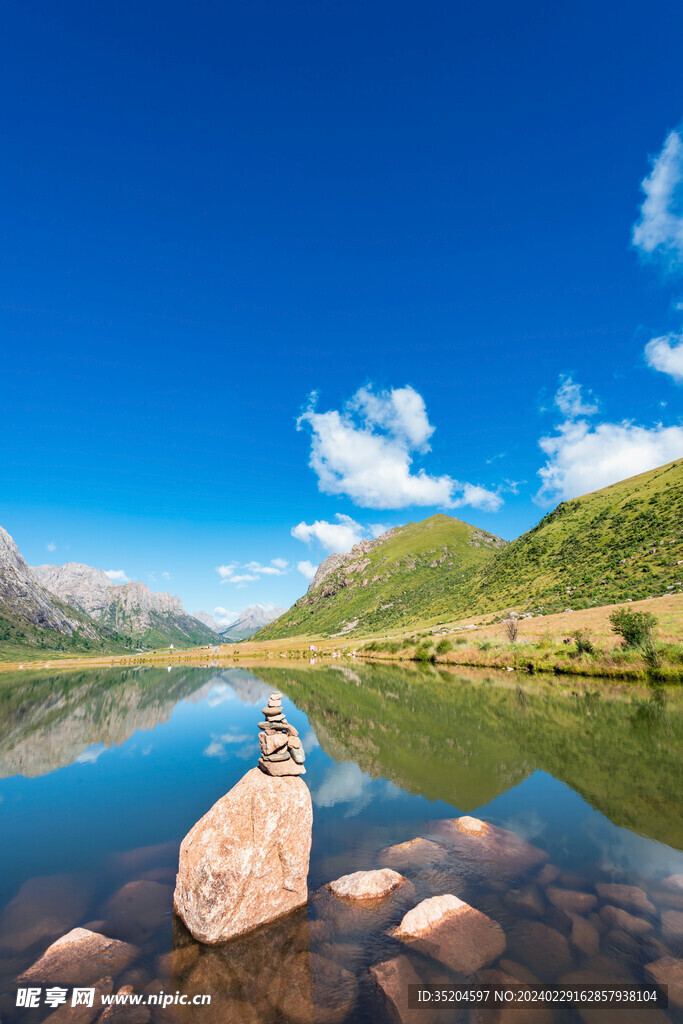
(410, 572)
(151, 620)
(31, 619)
(623, 542)
(249, 622)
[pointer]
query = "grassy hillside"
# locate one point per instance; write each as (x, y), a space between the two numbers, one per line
(28, 641)
(623, 542)
(417, 571)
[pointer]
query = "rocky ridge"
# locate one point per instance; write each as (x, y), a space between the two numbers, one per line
(249, 622)
(131, 608)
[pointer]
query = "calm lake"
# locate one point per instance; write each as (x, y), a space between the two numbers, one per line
(103, 772)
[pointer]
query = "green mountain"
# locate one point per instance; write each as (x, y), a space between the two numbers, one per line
(623, 542)
(412, 572)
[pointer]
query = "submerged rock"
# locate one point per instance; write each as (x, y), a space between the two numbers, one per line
(392, 977)
(138, 908)
(544, 950)
(246, 861)
(585, 935)
(488, 848)
(615, 917)
(80, 957)
(44, 908)
(570, 900)
(668, 971)
(414, 853)
(367, 885)
(451, 931)
(631, 897)
(83, 1014)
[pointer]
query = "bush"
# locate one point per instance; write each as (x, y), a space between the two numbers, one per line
(425, 653)
(484, 645)
(511, 629)
(634, 627)
(444, 646)
(584, 644)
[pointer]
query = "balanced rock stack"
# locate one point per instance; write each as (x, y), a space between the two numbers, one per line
(281, 749)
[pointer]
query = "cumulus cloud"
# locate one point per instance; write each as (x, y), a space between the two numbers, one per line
(659, 232)
(666, 354)
(307, 569)
(116, 575)
(254, 571)
(339, 536)
(584, 457)
(366, 450)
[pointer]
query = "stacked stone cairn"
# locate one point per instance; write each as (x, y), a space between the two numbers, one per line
(281, 749)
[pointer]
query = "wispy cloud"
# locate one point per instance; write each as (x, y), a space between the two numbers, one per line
(229, 574)
(584, 456)
(51, 546)
(666, 354)
(570, 399)
(366, 452)
(116, 575)
(224, 617)
(659, 231)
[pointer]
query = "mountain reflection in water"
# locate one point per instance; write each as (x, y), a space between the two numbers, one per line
(102, 772)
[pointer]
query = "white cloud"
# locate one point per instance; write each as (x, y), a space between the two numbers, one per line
(570, 401)
(116, 575)
(166, 575)
(224, 617)
(584, 457)
(339, 536)
(51, 546)
(660, 228)
(366, 453)
(307, 569)
(666, 354)
(255, 570)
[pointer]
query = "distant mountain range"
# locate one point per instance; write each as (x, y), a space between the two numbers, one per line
(624, 542)
(249, 622)
(131, 609)
(76, 608)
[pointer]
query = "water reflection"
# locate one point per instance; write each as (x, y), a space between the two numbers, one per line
(103, 773)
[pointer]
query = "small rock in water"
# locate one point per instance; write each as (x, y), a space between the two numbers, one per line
(486, 848)
(615, 917)
(585, 935)
(527, 901)
(43, 909)
(392, 977)
(668, 971)
(451, 931)
(367, 885)
(571, 901)
(544, 950)
(631, 897)
(672, 924)
(80, 957)
(412, 854)
(674, 883)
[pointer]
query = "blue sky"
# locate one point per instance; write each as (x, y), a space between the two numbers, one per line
(269, 265)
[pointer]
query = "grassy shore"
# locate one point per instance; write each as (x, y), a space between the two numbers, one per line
(544, 644)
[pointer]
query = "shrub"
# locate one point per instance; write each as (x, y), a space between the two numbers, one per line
(484, 645)
(424, 653)
(634, 627)
(584, 644)
(444, 646)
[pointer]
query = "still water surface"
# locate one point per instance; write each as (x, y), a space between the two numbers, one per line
(103, 772)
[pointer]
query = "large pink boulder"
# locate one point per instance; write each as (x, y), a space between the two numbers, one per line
(246, 861)
(450, 930)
